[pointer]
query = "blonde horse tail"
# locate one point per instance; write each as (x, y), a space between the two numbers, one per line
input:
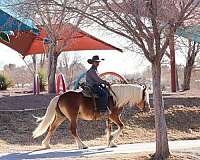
(38, 119)
(47, 119)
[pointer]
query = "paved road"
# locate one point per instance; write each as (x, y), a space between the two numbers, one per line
(186, 145)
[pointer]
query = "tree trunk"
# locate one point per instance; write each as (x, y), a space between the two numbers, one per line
(187, 76)
(52, 64)
(162, 148)
(192, 53)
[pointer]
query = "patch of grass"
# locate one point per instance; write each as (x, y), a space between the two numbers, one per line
(5, 82)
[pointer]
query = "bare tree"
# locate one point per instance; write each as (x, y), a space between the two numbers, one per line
(190, 50)
(71, 67)
(57, 21)
(19, 75)
(151, 25)
(193, 49)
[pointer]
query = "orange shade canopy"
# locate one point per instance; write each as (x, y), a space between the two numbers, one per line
(70, 39)
(20, 42)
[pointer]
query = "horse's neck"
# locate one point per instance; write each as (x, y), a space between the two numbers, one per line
(122, 95)
(127, 93)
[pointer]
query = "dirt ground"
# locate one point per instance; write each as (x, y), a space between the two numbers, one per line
(16, 127)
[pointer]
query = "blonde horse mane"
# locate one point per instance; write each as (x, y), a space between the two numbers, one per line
(127, 93)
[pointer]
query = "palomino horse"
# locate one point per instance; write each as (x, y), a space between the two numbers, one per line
(73, 105)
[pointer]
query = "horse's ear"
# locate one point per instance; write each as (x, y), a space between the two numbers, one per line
(144, 91)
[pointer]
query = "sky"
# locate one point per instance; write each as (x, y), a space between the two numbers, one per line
(122, 63)
(8, 55)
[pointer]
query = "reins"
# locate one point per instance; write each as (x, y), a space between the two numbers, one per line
(112, 91)
(109, 87)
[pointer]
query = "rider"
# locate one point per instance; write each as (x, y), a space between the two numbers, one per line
(95, 82)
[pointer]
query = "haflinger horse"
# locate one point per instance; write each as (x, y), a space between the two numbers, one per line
(72, 105)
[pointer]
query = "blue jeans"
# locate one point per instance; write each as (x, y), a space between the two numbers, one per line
(103, 97)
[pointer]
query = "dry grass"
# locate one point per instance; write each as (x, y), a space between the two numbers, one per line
(16, 129)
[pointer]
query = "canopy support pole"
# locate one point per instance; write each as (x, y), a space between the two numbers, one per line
(173, 63)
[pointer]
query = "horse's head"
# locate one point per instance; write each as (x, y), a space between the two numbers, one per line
(144, 103)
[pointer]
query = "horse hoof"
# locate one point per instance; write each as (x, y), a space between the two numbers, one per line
(113, 146)
(83, 147)
(46, 147)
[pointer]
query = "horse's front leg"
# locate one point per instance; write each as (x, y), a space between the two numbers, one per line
(116, 119)
(79, 143)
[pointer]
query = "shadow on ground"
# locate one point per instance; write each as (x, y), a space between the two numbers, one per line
(53, 154)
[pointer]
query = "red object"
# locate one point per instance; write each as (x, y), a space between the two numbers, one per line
(70, 39)
(60, 78)
(173, 63)
(115, 75)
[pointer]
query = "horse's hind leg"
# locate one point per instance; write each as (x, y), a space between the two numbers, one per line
(116, 119)
(71, 112)
(109, 130)
(57, 121)
(73, 126)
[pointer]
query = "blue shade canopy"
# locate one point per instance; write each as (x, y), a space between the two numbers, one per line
(11, 22)
(192, 32)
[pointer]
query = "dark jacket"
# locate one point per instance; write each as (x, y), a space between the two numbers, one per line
(92, 77)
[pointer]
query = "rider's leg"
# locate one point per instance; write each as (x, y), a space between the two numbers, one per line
(103, 97)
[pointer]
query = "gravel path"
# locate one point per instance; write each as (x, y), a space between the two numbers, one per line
(95, 152)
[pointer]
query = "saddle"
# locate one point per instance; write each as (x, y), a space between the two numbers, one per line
(88, 92)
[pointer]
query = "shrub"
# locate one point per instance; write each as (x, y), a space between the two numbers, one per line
(43, 79)
(5, 82)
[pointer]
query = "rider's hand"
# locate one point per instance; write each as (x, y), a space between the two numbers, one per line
(108, 84)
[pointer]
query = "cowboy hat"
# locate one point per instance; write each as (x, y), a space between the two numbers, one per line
(94, 59)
